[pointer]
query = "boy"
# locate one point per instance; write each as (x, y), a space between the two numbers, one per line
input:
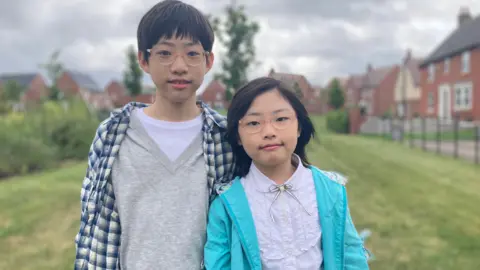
(153, 170)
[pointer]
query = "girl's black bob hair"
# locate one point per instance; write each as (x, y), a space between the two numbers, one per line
(239, 106)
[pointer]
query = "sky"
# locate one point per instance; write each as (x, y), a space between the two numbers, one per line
(316, 38)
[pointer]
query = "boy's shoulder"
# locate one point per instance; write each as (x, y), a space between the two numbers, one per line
(213, 117)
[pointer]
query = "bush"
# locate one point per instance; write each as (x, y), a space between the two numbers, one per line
(338, 122)
(45, 136)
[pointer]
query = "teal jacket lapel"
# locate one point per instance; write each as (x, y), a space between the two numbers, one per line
(236, 203)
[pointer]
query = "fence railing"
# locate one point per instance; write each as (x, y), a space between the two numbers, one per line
(446, 136)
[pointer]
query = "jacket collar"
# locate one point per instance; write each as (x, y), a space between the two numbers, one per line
(236, 202)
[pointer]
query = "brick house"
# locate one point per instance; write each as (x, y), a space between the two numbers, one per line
(370, 94)
(214, 95)
(309, 95)
(407, 88)
(370, 83)
(74, 83)
(119, 95)
(384, 93)
(33, 85)
(450, 75)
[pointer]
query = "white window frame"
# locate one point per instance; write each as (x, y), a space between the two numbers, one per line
(218, 96)
(462, 91)
(466, 62)
(431, 72)
(446, 66)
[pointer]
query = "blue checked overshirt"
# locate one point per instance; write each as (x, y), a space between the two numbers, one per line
(98, 240)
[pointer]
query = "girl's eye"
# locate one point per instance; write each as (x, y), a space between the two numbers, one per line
(281, 119)
(253, 123)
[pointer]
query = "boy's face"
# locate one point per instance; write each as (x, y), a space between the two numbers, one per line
(269, 130)
(177, 67)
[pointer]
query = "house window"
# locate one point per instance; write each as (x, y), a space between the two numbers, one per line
(431, 102)
(446, 66)
(466, 62)
(431, 72)
(219, 96)
(463, 96)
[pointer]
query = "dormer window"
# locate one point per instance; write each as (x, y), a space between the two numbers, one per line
(466, 62)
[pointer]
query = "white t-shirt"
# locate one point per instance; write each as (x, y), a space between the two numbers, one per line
(171, 137)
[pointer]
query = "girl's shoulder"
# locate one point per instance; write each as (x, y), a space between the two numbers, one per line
(329, 175)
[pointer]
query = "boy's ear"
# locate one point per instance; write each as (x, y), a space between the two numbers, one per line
(142, 62)
(210, 60)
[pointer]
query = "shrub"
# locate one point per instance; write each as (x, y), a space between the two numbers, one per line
(338, 122)
(45, 136)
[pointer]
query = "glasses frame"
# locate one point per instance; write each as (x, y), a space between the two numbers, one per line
(264, 122)
(205, 54)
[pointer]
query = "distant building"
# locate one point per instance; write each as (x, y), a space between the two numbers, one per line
(33, 86)
(450, 75)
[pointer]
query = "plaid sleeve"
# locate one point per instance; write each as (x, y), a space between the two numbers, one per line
(93, 155)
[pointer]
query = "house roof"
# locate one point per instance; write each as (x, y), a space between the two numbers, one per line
(375, 76)
(292, 79)
(84, 81)
(413, 66)
(464, 37)
(22, 79)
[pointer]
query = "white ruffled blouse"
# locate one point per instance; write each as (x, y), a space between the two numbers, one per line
(289, 237)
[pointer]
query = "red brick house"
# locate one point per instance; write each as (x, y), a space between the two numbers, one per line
(310, 96)
(384, 94)
(370, 94)
(214, 95)
(119, 96)
(450, 75)
(73, 83)
(33, 85)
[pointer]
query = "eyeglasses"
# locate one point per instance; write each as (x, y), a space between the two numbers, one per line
(255, 124)
(193, 57)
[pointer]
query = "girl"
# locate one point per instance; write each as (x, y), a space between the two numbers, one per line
(280, 212)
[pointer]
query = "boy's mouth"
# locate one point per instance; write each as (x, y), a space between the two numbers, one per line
(179, 84)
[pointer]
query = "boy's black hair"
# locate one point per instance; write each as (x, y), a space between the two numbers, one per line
(170, 17)
(239, 106)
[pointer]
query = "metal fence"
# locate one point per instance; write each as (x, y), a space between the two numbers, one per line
(453, 137)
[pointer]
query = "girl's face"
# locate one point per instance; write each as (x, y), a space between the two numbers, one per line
(269, 130)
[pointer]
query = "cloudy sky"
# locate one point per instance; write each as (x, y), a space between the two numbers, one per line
(317, 38)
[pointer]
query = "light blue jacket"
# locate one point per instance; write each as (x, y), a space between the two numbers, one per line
(232, 240)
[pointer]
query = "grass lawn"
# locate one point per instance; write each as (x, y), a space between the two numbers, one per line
(419, 206)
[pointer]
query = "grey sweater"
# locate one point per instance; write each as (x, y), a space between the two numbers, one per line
(162, 204)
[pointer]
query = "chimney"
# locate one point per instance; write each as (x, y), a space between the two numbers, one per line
(369, 67)
(464, 16)
(272, 71)
(408, 56)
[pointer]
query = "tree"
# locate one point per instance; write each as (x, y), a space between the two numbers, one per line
(132, 76)
(10, 94)
(54, 69)
(236, 33)
(298, 90)
(336, 98)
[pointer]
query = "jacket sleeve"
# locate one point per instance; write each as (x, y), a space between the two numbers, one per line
(217, 247)
(93, 155)
(355, 253)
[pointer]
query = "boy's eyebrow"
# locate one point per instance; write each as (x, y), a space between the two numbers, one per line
(171, 44)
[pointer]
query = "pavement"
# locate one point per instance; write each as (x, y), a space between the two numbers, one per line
(466, 149)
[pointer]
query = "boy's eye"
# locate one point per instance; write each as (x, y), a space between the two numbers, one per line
(164, 53)
(193, 54)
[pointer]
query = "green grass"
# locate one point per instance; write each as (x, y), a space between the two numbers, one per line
(419, 206)
(39, 217)
(464, 134)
